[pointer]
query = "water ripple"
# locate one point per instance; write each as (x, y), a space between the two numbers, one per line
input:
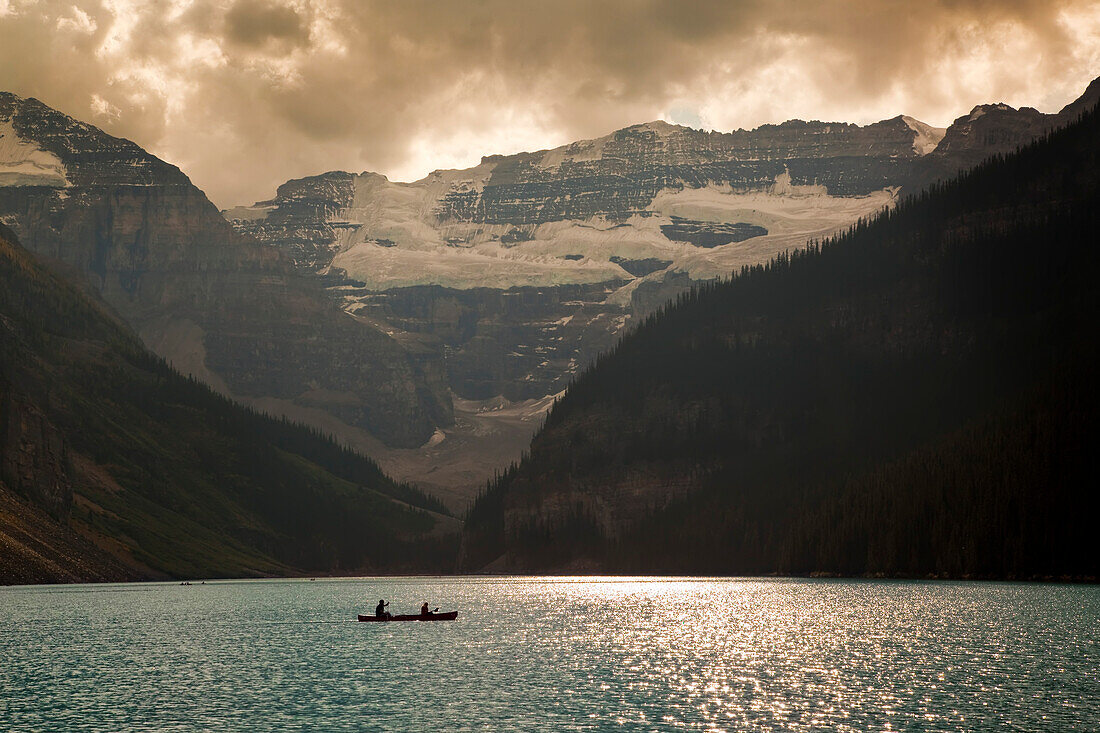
(552, 654)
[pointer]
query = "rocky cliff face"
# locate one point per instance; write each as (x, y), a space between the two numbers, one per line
(303, 218)
(34, 458)
(519, 343)
(620, 175)
(613, 178)
(222, 306)
(527, 266)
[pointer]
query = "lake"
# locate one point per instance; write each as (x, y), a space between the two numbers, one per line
(549, 654)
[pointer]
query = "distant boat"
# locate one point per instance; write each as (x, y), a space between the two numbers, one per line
(449, 616)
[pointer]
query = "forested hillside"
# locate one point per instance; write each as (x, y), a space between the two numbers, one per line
(912, 397)
(114, 466)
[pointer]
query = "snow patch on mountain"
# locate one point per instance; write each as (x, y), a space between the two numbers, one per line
(578, 152)
(23, 163)
(927, 137)
(982, 109)
(784, 187)
(790, 220)
(389, 237)
(382, 268)
(256, 212)
(438, 182)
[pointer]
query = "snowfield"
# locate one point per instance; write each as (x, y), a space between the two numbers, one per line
(791, 214)
(927, 138)
(395, 234)
(23, 163)
(390, 236)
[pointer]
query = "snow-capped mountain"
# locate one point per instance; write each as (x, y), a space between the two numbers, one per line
(491, 286)
(560, 248)
(527, 266)
(575, 214)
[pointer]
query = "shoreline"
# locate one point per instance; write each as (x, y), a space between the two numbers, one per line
(572, 577)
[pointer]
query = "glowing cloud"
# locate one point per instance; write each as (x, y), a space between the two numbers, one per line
(243, 94)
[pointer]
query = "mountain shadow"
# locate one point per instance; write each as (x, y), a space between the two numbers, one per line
(913, 397)
(113, 466)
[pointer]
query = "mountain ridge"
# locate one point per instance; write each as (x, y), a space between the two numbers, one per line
(908, 398)
(226, 308)
(520, 306)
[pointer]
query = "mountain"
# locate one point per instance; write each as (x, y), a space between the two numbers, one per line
(596, 211)
(526, 267)
(914, 396)
(225, 308)
(113, 466)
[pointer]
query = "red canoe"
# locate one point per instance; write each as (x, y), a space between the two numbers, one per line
(449, 616)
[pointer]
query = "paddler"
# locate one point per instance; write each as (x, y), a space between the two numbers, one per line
(424, 610)
(380, 610)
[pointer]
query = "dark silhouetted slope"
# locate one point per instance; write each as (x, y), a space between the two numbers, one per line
(912, 397)
(114, 466)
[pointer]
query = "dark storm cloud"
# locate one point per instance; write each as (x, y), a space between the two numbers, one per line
(255, 22)
(246, 94)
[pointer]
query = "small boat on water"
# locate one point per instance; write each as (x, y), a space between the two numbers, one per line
(449, 616)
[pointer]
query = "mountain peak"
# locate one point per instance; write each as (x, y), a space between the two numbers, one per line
(88, 155)
(24, 162)
(927, 137)
(984, 109)
(1085, 102)
(658, 126)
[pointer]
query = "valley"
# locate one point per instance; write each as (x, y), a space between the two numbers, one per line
(435, 326)
(517, 273)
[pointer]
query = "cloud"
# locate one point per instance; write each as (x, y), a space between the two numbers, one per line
(244, 94)
(79, 22)
(101, 108)
(256, 23)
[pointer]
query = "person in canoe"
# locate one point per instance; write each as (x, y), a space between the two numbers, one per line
(380, 610)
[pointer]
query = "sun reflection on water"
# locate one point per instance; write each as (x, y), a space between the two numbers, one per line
(550, 654)
(795, 655)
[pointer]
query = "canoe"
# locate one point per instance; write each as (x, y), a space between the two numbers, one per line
(449, 616)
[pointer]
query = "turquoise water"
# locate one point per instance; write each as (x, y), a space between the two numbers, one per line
(543, 654)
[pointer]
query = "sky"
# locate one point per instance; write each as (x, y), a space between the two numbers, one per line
(245, 94)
